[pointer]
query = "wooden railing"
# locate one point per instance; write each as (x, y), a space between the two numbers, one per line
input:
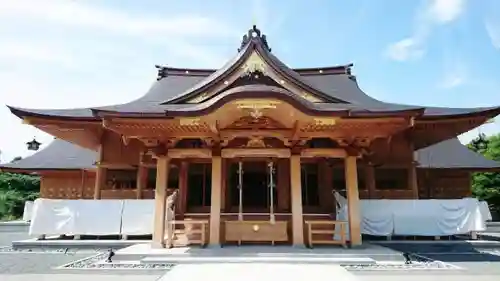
(198, 228)
(326, 229)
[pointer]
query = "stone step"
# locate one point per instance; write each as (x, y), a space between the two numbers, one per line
(14, 226)
(186, 259)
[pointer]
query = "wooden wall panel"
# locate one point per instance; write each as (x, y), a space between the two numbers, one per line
(67, 185)
(446, 183)
(116, 152)
(397, 151)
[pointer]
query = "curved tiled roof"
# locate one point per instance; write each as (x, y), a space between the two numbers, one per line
(58, 155)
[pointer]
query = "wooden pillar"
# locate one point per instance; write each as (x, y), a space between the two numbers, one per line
(183, 188)
(100, 175)
(351, 176)
(283, 186)
(412, 171)
(142, 180)
(412, 180)
(370, 180)
(100, 181)
(215, 202)
(162, 169)
(82, 187)
(223, 184)
(296, 194)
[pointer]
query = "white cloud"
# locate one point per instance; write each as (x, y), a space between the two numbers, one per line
(81, 15)
(404, 50)
(455, 74)
(433, 12)
(22, 51)
(493, 29)
(444, 11)
(66, 54)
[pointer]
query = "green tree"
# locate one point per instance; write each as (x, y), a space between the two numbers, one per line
(15, 190)
(486, 185)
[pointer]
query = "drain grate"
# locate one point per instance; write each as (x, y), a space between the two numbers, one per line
(98, 262)
(435, 265)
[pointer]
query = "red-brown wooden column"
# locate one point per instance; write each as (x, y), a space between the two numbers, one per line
(283, 186)
(370, 180)
(100, 177)
(142, 180)
(326, 199)
(183, 188)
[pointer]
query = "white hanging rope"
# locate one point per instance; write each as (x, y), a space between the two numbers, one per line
(272, 218)
(240, 187)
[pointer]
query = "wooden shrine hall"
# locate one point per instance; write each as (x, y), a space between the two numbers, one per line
(254, 150)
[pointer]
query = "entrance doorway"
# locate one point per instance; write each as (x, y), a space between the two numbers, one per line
(255, 181)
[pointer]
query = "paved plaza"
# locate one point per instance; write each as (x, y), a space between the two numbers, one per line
(464, 262)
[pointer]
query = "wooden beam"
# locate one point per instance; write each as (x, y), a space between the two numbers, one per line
(190, 153)
(323, 152)
(255, 152)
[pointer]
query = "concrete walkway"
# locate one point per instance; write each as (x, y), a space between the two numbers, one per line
(252, 272)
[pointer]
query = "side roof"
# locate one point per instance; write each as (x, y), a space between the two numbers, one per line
(58, 155)
(62, 155)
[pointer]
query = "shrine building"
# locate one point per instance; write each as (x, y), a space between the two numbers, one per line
(256, 148)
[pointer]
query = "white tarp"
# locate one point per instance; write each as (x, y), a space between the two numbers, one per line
(417, 217)
(485, 210)
(76, 217)
(137, 217)
(28, 210)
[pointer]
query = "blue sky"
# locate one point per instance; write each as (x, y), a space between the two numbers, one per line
(63, 54)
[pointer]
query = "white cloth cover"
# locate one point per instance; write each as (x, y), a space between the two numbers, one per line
(417, 217)
(137, 217)
(76, 217)
(28, 210)
(485, 210)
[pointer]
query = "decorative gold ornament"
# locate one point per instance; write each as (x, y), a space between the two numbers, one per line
(199, 98)
(189, 121)
(253, 64)
(256, 142)
(256, 104)
(325, 121)
(310, 97)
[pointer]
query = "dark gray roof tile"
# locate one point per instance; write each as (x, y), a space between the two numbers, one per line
(58, 155)
(452, 154)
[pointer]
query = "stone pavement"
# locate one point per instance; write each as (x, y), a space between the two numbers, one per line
(79, 277)
(477, 264)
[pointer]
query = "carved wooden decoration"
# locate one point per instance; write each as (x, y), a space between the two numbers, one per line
(248, 122)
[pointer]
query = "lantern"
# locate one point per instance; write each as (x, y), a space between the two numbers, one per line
(33, 145)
